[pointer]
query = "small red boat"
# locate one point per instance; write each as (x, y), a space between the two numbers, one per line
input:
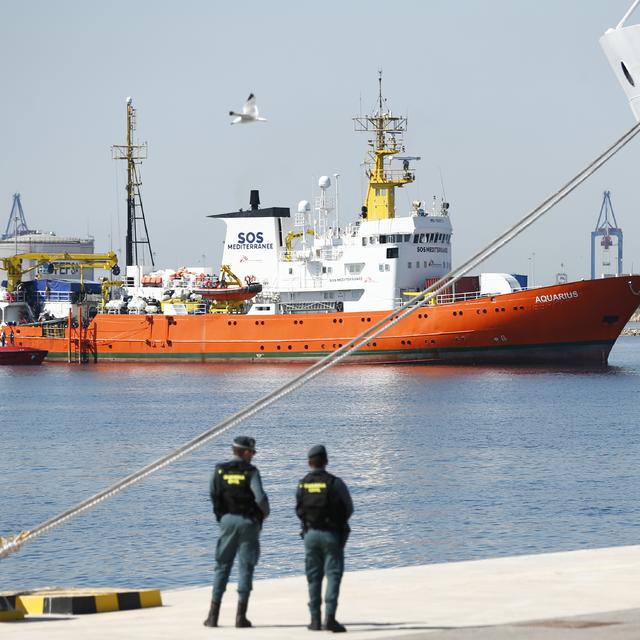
(229, 294)
(21, 355)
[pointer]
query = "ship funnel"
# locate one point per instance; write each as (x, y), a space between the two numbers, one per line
(254, 199)
(622, 48)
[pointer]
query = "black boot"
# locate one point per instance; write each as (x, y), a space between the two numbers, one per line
(241, 616)
(212, 618)
(333, 625)
(315, 625)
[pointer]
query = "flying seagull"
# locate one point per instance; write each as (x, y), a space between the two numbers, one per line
(249, 112)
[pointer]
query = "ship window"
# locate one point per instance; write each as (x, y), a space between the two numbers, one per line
(407, 237)
(387, 267)
(383, 239)
(391, 238)
(422, 237)
(416, 238)
(381, 267)
(372, 240)
(409, 265)
(425, 264)
(354, 267)
(392, 252)
(290, 271)
(364, 242)
(627, 75)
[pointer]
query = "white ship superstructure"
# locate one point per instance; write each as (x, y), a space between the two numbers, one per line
(311, 263)
(369, 265)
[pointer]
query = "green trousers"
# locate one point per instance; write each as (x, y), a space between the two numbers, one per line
(324, 557)
(241, 536)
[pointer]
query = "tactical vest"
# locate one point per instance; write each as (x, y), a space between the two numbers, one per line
(233, 489)
(317, 505)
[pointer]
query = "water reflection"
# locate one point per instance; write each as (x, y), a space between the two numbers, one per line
(444, 463)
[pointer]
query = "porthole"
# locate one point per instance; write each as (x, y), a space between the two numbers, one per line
(289, 347)
(278, 347)
(627, 75)
(261, 347)
(306, 346)
(484, 311)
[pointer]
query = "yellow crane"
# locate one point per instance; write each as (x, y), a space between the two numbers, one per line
(291, 236)
(13, 264)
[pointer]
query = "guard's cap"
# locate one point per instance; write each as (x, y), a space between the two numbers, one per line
(318, 450)
(244, 442)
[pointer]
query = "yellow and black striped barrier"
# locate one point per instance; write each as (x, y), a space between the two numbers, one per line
(78, 601)
(10, 609)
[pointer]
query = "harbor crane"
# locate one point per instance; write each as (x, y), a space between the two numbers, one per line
(13, 265)
(17, 223)
(607, 228)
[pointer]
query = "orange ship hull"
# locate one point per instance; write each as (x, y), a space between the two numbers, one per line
(573, 323)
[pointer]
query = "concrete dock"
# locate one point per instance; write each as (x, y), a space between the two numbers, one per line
(583, 594)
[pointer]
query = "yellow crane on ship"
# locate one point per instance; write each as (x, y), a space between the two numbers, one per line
(291, 236)
(13, 265)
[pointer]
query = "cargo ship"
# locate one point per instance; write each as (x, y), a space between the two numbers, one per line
(310, 284)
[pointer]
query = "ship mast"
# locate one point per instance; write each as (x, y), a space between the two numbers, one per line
(388, 130)
(134, 154)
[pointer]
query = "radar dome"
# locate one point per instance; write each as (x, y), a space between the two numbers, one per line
(304, 206)
(324, 182)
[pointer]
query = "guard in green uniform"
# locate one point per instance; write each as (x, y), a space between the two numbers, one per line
(240, 506)
(324, 507)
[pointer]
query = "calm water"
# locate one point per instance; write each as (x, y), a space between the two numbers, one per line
(443, 463)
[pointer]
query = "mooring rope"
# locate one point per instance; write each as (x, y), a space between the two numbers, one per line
(14, 543)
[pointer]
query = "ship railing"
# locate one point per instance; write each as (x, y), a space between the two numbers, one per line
(54, 296)
(308, 307)
(398, 175)
(452, 298)
(54, 330)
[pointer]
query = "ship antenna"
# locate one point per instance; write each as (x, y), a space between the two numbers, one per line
(444, 195)
(133, 154)
(380, 90)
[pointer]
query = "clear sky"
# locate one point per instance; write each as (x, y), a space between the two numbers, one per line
(507, 98)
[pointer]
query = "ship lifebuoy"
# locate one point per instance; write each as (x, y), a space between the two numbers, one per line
(249, 279)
